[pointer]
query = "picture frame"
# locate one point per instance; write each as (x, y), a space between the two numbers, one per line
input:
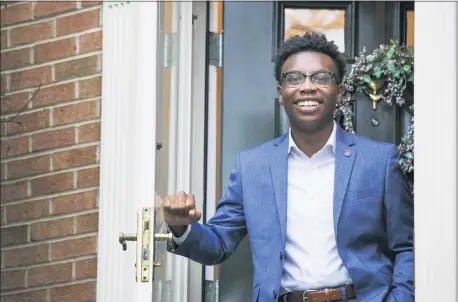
(405, 8)
(278, 27)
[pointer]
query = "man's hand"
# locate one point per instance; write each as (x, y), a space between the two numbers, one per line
(180, 211)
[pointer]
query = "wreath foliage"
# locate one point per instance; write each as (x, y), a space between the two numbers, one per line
(386, 75)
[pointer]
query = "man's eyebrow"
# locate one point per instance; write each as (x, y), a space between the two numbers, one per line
(314, 71)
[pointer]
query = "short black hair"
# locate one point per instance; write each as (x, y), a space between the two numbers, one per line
(310, 41)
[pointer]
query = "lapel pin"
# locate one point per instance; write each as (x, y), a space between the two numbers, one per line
(347, 152)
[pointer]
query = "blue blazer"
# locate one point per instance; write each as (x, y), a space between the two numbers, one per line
(373, 218)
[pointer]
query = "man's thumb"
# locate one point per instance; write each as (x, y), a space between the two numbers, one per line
(195, 214)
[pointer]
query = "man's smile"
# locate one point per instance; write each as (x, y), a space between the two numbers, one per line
(308, 105)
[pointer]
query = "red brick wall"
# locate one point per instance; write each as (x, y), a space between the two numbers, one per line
(50, 152)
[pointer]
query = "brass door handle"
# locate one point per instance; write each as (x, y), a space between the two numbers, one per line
(123, 238)
(145, 239)
(163, 237)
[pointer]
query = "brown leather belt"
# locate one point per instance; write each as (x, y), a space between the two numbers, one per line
(325, 295)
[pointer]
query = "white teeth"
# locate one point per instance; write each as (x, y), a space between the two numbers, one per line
(308, 103)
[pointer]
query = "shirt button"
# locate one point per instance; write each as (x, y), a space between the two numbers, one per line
(274, 293)
(281, 255)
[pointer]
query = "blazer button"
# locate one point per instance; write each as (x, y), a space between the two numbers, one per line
(281, 255)
(274, 294)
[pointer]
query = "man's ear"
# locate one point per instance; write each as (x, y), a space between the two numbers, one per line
(340, 93)
(279, 93)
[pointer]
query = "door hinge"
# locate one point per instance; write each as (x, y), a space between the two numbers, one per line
(170, 49)
(216, 49)
(211, 291)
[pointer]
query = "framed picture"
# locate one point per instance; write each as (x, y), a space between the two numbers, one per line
(334, 19)
(407, 23)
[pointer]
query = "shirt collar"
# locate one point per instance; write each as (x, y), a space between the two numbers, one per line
(331, 140)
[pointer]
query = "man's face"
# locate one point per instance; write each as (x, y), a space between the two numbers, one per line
(309, 104)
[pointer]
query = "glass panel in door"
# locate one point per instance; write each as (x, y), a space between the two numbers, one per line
(166, 98)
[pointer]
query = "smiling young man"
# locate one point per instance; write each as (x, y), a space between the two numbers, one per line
(329, 215)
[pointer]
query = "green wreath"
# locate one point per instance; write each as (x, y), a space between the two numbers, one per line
(387, 75)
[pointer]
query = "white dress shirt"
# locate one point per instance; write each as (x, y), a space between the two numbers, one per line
(311, 258)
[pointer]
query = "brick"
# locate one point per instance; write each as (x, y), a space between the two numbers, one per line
(33, 296)
(52, 184)
(54, 94)
(90, 87)
(77, 22)
(27, 210)
(3, 171)
(89, 132)
(14, 102)
(74, 248)
(55, 50)
(75, 113)
(14, 146)
(88, 177)
(14, 191)
(3, 126)
(27, 122)
(86, 269)
(77, 292)
(4, 83)
(52, 229)
(16, 13)
(13, 279)
(2, 215)
(90, 3)
(3, 39)
(29, 167)
(77, 68)
(87, 223)
(26, 255)
(47, 8)
(53, 139)
(14, 235)
(49, 274)
(75, 157)
(91, 41)
(75, 202)
(31, 33)
(31, 77)
(15, 58)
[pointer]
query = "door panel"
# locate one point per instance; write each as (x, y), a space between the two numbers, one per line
(173, 119)
(166, 85)
(168, 16)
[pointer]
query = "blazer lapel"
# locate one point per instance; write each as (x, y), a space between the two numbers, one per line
(279, 170)
(344, 159)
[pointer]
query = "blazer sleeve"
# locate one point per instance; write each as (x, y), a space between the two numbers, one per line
(215, 241)
(399, 223)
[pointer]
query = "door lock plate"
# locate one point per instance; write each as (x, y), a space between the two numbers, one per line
(146, 246)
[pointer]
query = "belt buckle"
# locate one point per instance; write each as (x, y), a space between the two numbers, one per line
(304, 294)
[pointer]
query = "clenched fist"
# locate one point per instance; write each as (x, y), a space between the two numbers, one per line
(180, 211)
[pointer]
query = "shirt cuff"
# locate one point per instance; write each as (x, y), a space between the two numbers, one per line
(180, 240)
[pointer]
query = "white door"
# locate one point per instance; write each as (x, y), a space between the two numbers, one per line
(146, 144)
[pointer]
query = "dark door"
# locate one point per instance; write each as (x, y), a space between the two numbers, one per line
(250, 112)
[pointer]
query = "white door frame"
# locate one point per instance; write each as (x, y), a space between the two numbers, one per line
(435, 154)
(128, 141)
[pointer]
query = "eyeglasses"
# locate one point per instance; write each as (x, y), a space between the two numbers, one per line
(319, 78)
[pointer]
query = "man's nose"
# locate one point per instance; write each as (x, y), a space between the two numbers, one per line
(307, 85)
